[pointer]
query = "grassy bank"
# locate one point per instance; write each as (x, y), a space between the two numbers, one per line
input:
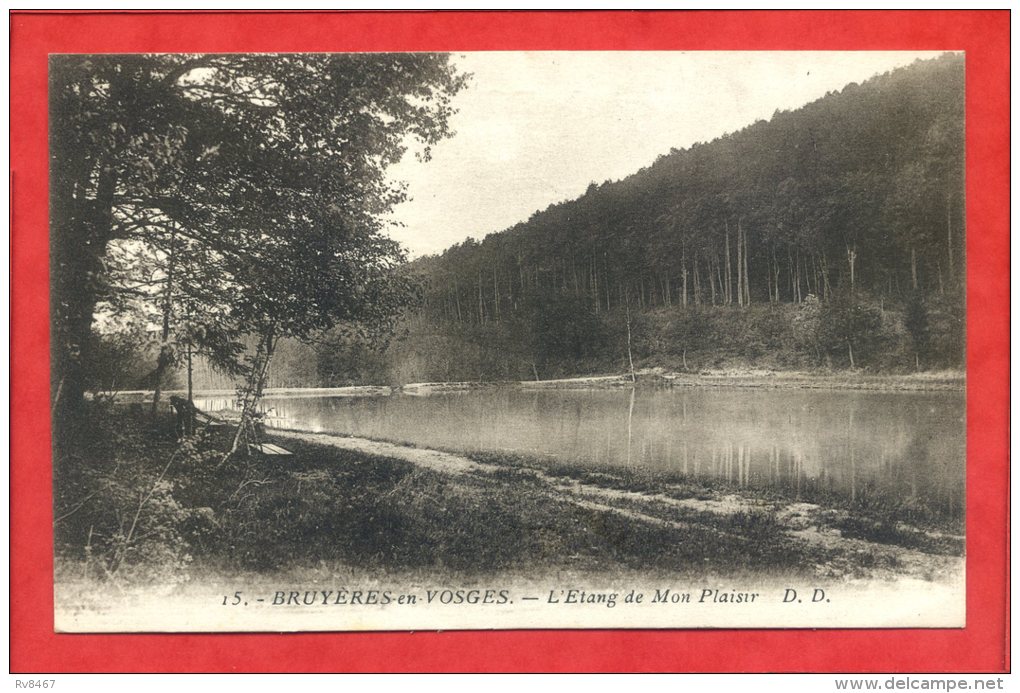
(134, 505)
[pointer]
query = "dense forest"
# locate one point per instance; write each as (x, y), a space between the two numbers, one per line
(831, 236)
(838, 226)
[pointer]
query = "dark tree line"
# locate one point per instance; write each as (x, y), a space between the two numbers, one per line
(861, 190)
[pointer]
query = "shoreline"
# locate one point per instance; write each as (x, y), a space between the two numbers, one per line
(827, 532)
(940, 381)
(838, 380)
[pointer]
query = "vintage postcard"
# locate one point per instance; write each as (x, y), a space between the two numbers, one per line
(503, 340)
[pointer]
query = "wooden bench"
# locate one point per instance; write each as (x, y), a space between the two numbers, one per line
(269, 449)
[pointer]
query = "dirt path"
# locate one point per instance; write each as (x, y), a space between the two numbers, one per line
(802, 522)
(437, 461)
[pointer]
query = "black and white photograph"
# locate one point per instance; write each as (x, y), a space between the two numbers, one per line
(507, 339)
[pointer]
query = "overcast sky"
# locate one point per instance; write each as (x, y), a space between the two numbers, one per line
(535, 128)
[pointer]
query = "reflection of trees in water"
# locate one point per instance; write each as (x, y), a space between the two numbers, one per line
(915, 462)
(852, 443)
(630, 424)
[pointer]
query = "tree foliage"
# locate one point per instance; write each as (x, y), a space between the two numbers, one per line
(250, 189)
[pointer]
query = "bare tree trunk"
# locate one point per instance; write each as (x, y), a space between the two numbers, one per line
(481, 301)
(165, 355)
(825, 278)
(495, 289)
(711, 280)
(747, 278)
(719, 277)
(851, 257)
(573, 275)
(190, 429)
(253, 390)
(775, 269)
(697, 283)
(768, 278)
(800, 277)
(792, 273)
(729, 272)
(683, 275)
(796, 274)
(913, 269)
(82, 230)
(630, 356)
(605, 280)
(740, 271)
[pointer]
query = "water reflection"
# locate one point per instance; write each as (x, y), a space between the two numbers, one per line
(909, 444)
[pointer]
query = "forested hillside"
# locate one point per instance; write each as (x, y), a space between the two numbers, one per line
(831, 236)
(852, 202)
(862, 187)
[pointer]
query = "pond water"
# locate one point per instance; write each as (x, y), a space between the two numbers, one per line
(852, 443)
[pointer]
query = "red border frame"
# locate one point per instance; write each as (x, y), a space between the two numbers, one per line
(981, 646)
